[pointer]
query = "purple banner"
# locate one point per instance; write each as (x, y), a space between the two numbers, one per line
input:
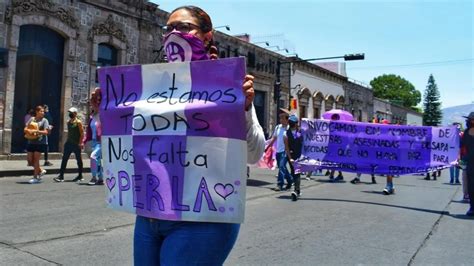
(376, 148)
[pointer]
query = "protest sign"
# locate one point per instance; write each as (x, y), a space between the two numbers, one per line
(174, 140)
(376, 148)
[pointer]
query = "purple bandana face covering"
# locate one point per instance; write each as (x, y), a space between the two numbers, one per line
(181, 47)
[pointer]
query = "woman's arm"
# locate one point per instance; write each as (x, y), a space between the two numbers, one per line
(255, 136)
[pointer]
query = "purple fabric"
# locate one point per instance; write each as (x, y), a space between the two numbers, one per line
(376, 148)
(121, 87)
(181, 47)
(343, 115)
(159, 175)
(227, 114)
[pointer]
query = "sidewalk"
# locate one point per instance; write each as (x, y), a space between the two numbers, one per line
(10, 168)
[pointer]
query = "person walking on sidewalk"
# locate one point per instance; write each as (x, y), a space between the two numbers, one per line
(282, 160)
(93, 134)
(293, 146)
(73, 144)
(468, 145)
(48, 117)
(35, 131)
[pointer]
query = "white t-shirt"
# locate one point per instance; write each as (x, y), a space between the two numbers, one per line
(279, 132)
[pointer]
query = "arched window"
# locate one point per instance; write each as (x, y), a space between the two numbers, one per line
(303, 103)
(107, 55)
(318, 98)
(329, 103)
(340, 102)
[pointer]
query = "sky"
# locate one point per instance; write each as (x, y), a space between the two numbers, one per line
(412, 39)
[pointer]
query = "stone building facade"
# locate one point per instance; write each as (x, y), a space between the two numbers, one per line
(405, 116)
(54, 48)
(316, 89)
(359, 101)
(382, 109)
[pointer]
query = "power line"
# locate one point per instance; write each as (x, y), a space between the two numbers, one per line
(436, 63)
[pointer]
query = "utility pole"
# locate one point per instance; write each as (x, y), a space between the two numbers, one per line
(277, 90)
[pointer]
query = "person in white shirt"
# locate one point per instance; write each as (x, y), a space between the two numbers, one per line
(282, 160)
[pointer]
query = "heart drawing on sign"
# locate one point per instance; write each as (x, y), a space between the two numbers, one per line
(224, 190)
(110, 182)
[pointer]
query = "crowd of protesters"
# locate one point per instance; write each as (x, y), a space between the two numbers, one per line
(180, 242)
(286, 149)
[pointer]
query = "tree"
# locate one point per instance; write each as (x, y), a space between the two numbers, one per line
(432, 114)
(396, 89)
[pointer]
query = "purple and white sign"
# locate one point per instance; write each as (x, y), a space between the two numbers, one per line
(174, 140)
(376, 148)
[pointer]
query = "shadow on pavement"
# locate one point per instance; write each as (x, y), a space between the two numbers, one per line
(375, 203)
(23, 183)
(449, 184)
(462, 216)
(373, 192)
(460, 201)
(257, 183)
(330, 181)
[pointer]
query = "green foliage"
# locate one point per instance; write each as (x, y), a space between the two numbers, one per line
(432, 114)
(396, 89)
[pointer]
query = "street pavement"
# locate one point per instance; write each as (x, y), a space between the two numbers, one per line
(423, 223)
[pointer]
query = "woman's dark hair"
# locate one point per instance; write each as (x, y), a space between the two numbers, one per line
(202, 17)
(38, 108)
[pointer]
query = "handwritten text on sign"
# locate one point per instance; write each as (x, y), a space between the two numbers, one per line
(376, 148)
(174, 139)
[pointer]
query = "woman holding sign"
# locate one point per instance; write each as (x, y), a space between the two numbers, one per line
(160, 242)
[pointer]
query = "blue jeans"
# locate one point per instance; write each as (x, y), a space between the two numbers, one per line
(159, 242)
(282, 170)
(453, 174)
(96, 160)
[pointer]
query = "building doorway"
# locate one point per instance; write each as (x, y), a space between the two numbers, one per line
(38, 81)
(259, 104)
